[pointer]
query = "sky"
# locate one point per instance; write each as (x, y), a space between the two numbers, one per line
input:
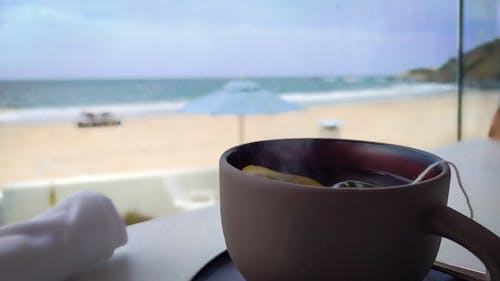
(58, 39)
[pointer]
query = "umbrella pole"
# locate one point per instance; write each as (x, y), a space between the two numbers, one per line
(241, 126)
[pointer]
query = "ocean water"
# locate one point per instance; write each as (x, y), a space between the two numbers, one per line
(44, 101)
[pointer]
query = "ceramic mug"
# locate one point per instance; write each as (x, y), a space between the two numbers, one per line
(276, 230)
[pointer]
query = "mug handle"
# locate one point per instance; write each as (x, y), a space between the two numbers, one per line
(451, 224)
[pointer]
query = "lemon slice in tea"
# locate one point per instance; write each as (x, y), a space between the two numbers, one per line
(275, 175)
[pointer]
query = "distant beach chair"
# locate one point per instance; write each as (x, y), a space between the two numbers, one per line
(329, 128)
(108, 119)
(89, 119)
(86, 119)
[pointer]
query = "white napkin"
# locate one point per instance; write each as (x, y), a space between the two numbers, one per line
(64, 240)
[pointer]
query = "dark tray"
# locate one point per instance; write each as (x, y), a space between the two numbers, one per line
(221, 268)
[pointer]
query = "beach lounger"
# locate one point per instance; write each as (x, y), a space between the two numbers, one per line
(89, 119)
(329, 128)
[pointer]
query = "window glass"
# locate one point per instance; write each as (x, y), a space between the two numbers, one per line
(92, 89)
(481, 67)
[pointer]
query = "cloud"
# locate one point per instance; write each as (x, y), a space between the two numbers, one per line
(221, 37)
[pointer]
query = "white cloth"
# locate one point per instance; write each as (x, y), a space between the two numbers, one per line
(64, 240)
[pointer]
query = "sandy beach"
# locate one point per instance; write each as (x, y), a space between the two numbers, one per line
(41, 151)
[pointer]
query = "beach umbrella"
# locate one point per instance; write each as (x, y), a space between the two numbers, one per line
(241, 98)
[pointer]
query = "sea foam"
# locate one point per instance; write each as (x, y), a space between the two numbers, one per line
(56, 114)
(348, 96)
(306, 99)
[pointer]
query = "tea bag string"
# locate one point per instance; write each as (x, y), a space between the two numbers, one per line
(459, 180)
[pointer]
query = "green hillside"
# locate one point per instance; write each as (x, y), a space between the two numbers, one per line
(481, 64)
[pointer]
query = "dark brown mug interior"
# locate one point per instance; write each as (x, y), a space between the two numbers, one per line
(331, 161)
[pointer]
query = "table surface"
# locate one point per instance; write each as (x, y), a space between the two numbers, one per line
(176, 247)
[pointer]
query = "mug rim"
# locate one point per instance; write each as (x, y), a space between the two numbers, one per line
(224, 161)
